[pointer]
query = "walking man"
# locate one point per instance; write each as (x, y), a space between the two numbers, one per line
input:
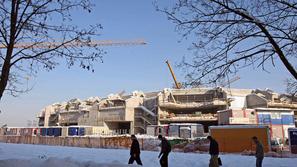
(165, 150)
(214, 152)
(134, 151)
(259, 152)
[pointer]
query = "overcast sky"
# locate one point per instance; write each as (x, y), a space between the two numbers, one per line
(126, 68)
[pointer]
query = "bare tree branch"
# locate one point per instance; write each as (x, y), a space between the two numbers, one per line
(38, 22)
(235, 34)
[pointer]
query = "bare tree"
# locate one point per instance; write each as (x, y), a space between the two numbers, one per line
(230, 35)
(39, 34)
(291, 87)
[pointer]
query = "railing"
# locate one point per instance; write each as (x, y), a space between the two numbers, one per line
(113, 118)
(92, 122)
(146, 116)
(72, 118)
(112, 106)
(186, 103)
(188, 117)
(194, 98)
(242, 120)
(118, 132)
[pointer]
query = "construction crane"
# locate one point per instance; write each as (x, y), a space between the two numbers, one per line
(230, 81)
(77, 43)
(178, 85)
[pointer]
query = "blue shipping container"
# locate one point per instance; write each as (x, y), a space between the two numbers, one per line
(43, 132)
(288, 119)
(57, 131)
(81, 131)
(276, 121)
(72, 131)
(50, 131)
(284, 120)
(264, 118)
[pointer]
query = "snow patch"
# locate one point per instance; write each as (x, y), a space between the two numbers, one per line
(56, 162)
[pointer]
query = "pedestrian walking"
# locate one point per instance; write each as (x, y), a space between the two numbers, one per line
(214, 152)
(165, 150)
(134, 151)
(259, 152)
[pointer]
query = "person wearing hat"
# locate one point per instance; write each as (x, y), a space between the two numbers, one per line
(165, 150)
(134, 151)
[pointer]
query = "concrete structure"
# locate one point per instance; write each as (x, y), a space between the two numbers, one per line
(237, 117)
(118, 114)
(197, 105)
(277, 119)
(112, 115)
(262, 107)
(269, 99)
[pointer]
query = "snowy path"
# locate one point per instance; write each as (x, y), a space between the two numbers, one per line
(20, 155)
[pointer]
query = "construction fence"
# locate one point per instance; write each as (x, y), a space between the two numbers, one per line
(117, 142)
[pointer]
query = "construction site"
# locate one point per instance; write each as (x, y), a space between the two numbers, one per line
(177, 112)
(185, 115)
(134, 113)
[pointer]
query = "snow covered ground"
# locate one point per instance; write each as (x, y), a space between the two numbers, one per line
(20, 155)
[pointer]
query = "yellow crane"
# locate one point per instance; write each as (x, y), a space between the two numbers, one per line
(77, 43)
(178, 85)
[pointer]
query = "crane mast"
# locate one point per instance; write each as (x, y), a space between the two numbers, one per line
(77, 43)
(177, 84)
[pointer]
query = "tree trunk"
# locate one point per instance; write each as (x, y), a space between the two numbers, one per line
(6, 66)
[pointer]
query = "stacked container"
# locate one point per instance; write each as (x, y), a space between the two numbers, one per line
(73, 131)
(43, 131)
(57, 132)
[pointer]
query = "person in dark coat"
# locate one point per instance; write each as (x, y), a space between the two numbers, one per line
(259, 152)
(134, 151)
(165, 150)
(214, 152)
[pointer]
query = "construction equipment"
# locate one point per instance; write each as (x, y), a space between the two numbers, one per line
(77, 43)
(230, 81)
(178, 85)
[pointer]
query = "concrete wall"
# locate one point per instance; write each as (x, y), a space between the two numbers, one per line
(223, 117)
(131, 103)
(238, 102)
(244, 116)
(254, 101)
(47, 112)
